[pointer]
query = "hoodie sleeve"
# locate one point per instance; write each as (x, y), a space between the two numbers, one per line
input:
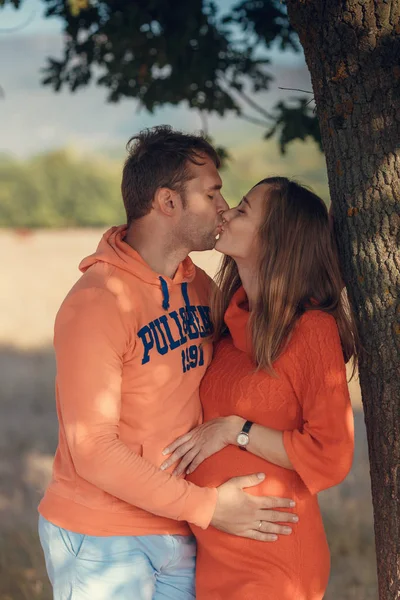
(321, 451)
(90, 341)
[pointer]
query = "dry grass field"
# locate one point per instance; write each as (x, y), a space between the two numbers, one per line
(37, 271)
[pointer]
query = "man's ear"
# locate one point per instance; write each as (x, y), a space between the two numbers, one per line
(167, 201)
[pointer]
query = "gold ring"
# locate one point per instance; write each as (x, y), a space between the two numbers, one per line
(260, 525)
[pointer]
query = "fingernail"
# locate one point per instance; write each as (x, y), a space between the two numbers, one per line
(166, 451)
(292, 503)
(188, 472)
(261, 475)
(163, 467)
(287, 530)
(274, 538)
(295, 519)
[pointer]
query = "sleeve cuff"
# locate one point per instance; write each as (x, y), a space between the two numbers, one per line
(200, 506)
(300, 469)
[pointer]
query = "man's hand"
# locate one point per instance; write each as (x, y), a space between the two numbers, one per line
(240, 514)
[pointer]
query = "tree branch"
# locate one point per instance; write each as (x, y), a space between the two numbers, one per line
(254, 105)
(295, 90)
(254, 120)
(249, 100)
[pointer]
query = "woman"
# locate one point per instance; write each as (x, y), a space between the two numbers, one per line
(276, 388)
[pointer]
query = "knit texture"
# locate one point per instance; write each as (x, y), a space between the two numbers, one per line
(309, 402)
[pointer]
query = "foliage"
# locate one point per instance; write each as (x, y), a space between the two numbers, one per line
(294, 122)
(58, 190)
(173, 51)
(61, 189)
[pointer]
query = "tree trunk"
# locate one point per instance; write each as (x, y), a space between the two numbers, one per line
(352, 49)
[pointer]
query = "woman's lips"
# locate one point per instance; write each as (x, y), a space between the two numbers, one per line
(220, 230)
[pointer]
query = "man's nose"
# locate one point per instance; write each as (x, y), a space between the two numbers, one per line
(222, 205)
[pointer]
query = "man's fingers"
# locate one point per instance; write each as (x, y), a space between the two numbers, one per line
(275, 529)
(273, 502)
(260, 536)
(268, 532)
(277, 516)
(246, 481)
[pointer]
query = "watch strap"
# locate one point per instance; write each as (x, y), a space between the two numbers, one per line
(246, 427)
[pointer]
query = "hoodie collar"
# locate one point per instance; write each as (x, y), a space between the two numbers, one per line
(113, 250)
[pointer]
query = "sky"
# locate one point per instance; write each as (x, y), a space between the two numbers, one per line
(33, 118)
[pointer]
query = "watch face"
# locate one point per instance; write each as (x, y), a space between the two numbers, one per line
(242, 439)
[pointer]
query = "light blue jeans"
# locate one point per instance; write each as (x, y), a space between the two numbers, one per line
(86, 567)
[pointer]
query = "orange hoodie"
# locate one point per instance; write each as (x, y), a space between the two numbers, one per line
(131, 348)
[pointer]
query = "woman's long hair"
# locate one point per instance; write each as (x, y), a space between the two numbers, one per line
(298, 270)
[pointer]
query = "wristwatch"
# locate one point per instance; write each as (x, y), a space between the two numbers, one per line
(243, 437)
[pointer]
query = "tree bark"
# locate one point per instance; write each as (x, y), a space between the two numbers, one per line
(352, 49)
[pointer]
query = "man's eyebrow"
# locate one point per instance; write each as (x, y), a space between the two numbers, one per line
(216, 186)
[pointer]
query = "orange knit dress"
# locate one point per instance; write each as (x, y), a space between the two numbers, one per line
(309, 402)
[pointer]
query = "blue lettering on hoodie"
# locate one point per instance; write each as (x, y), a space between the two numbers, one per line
(170, 331)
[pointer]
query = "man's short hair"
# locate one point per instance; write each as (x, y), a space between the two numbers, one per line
(160, 157)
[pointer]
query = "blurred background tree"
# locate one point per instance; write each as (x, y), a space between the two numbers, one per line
(155, 52)
(59, 189)
(162, 52)
(68, 188)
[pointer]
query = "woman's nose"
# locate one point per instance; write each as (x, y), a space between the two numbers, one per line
(226, 215)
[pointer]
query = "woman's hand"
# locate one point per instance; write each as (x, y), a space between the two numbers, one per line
(202, 442)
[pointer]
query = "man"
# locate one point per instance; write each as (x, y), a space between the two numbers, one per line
(132, 344)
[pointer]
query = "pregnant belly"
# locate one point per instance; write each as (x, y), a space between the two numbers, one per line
(303, 556)
(233, 462)
(279, 482)
(300, 559)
